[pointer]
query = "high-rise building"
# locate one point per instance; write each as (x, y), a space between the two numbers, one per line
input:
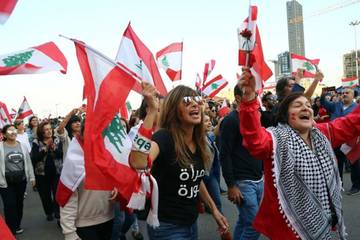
(349, 64)
(295, 27)
(284, 65)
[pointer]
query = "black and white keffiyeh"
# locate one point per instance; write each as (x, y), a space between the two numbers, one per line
(299, 177)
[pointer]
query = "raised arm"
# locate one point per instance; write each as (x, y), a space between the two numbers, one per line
(255, 138)
(139, 155)
(342, 129)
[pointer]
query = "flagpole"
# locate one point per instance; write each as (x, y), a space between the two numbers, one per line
(105, 57)
(247, 60)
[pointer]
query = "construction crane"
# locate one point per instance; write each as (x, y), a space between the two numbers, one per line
(330, 8)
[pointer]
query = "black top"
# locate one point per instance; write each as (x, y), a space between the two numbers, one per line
(236, 161)
(178, 187)
(267, 119)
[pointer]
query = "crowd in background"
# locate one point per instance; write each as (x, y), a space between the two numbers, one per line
(35, 152)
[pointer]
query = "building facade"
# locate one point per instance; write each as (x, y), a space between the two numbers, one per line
(349, 64)
(295, 27)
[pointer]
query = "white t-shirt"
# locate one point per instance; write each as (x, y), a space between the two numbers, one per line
(23, 138)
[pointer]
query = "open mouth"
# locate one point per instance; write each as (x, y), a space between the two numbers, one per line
(304, 117)
(194, 113)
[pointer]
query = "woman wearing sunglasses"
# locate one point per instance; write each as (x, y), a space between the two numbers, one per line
(178, 156)
(15, 170)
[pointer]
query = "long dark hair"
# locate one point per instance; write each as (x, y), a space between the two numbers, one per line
(283, 112)
(170, 121)
(30, 119)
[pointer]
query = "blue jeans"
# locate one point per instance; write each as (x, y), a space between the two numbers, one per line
(252, 193)
(169, 231)
(122, 223)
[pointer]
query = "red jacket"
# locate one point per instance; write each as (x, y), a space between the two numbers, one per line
(269, 221)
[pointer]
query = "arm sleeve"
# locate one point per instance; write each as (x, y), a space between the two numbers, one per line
(68, 216)
(228, 128)
(255, 138)
(297, 88)
(330, 106)
(342, 129)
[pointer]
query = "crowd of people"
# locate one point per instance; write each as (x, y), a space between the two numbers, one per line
(282, 161)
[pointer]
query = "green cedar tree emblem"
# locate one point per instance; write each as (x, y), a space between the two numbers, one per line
(214, 86)
(308, 66)
(139, 66)
(116, 133)
(17, 59)
(165, 62)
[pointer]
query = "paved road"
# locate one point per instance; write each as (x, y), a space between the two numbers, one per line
(37, 228)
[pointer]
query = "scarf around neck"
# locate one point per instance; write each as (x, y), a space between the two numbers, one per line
(302, 178)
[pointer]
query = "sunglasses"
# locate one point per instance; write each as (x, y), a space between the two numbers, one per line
(189, 99)
(9, 131)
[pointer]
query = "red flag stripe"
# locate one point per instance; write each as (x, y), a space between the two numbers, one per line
(53, 52)
(174, 47)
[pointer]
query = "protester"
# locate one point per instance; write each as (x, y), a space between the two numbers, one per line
(22, 136)
(85, 214)
(47, 158)
(302, 195)
(242, 173)
(268, 101)
(320, 113)
(32, 128)
(16, 170)
(69, 127)
(179, 158)
(340, 109)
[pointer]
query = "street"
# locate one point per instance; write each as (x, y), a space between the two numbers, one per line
(37, 228)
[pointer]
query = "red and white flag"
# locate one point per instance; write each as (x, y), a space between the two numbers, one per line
(139, 61)
(208, 68)
(72, 173)
(5, 117)
(300, 62)
(40, 59)
(24, 110)
(198, 82)
(224, 109)
(125, 110)
(351, 82)
(258, 66)
(6, 8)
(170, 59)
(214, 86)
(106, 144)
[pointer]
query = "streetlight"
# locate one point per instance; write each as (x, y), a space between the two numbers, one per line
(354, 24)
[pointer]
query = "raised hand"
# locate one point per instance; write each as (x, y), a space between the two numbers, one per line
(247, 84)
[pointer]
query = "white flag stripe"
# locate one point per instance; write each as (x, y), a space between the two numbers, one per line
(132, 61)
(299, 64)
(174, 60)
(99, 70)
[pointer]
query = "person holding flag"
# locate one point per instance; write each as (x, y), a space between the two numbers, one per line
(302, 191)
(179, 157)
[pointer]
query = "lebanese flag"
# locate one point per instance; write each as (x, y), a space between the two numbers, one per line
(5, 232)
(72, 173)
(214, 86)
(135, 57)
(301, 62)
(13, 113)
(6, 8)
(224, 109)
(208, 68)
(198, 82)
(5, 117)
(106, 144)
(40, 59)
(257, 64)
(351, 82)
(125, 110)
(170, 59)
(24, 110)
